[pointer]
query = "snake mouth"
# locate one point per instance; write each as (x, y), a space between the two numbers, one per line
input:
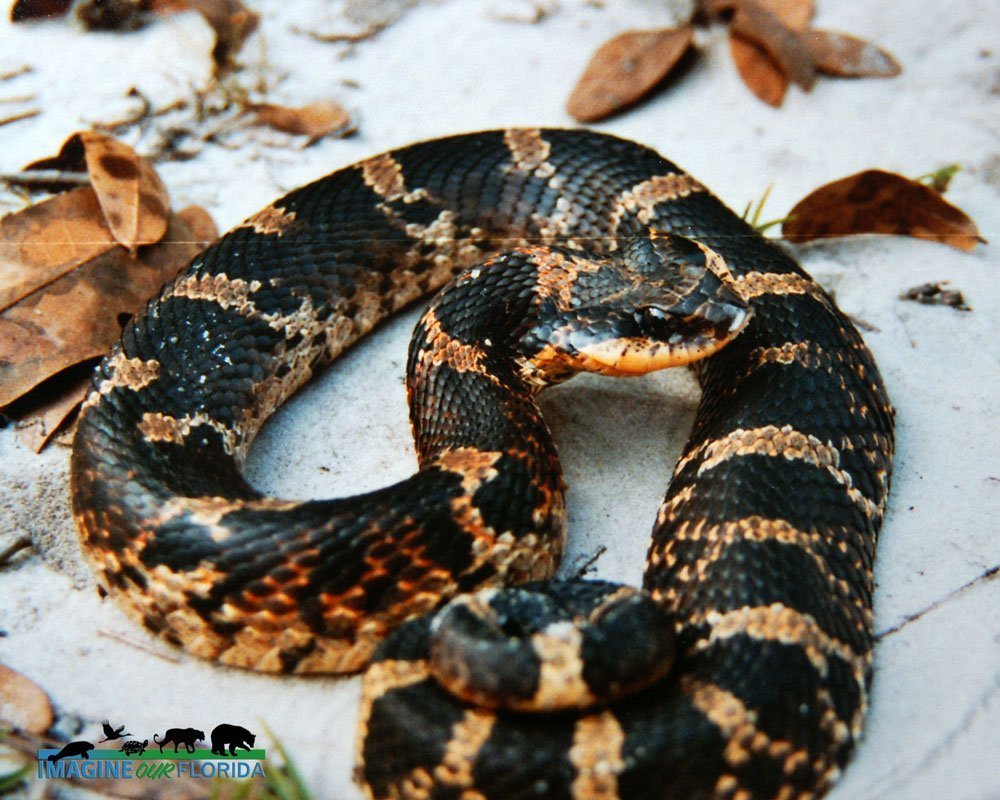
(661, 338)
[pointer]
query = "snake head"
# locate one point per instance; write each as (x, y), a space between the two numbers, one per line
(661, 301)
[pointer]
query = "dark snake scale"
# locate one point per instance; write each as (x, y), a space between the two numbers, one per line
(738, 672)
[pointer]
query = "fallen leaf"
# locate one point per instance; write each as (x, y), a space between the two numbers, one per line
(232, 22)
(759, 73)
(626, 68)
(203, 227)
(715, 8)
(110, 15)
(132, 197)
(793, 14)
(51, 404)
(134, 200)
(23, 704)
(49, 239)
(38, 9)
(75, 316)
(314, 120)
(849, 57)
(874, 201)
(934, 294)
(755, 23)
(164, 7)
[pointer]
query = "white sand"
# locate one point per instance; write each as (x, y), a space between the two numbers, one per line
(935, 714)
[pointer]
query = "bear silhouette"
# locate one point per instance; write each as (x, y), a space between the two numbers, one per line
(178, 736)
(232, 735)
(73, 749)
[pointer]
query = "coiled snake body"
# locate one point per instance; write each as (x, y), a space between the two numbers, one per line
(741, 672)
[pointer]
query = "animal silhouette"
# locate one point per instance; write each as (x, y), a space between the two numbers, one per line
(232, 735)
(113, 733)
(134, 748)
(73, 749)
(178, 736)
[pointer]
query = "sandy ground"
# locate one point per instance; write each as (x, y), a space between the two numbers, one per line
(453, 66)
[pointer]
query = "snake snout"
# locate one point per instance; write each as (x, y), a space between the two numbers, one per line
(545, 647)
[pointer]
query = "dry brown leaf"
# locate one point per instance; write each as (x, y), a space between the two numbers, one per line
(759, 73)
(755, 23)
(76, 316)
(133, 199)
(849, 57)
(22, 702)
(715, 8)
(38, 9)
(314, 120)
(624, 69)
(874, 201)
(164, 8)
(46, 418)
(232, 22)
(793, 14)
(935, 294)
(203, 227)
(47, 240)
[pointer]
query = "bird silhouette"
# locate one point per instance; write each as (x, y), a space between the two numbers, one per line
(113, 733)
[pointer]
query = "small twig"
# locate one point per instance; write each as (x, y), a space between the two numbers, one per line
(31, 112)
(21, 98)
(587, 566)
(44, 177)
(20, 544)
(15, 73)
(138, 645)
(337, 38)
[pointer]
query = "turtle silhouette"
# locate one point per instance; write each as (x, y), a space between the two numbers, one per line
(81, 749)
(111, 733)
(134, 748)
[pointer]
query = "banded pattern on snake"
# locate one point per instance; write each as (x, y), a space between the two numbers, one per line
(576, 250)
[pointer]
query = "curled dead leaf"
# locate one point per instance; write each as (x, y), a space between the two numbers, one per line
(71, 311)
(48, 240)
(134, 200)
(626, 68)
(23, 704)
(793, 14)
(314, 120)
(203, 227)
(232, 23)
(935, 294)
(38, 9)
(849, 57)
(132, 197)
(874, 201)
(755, 23)
(48, 407)
(759, 73)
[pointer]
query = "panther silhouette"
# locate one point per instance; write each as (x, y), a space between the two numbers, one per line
(232, 735)
(178, 736)
(73, 749)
